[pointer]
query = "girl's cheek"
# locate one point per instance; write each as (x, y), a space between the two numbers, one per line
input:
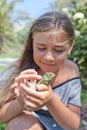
(38, 55)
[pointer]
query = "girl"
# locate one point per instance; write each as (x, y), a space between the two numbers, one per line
(27, 105)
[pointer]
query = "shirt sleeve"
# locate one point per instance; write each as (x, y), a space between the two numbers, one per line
(75, 93)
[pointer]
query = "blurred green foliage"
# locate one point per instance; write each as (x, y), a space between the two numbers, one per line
(78, 15)
(6, 30)
(11, 37)
(12, 32)
(77, 11)
(84, 96)
(2, 126)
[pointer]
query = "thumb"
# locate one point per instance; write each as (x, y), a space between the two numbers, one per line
(17, 92)
(42, 87)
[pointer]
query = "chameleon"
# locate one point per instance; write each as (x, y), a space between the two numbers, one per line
(46, 78)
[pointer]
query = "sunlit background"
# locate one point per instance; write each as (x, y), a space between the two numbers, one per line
(16, 17)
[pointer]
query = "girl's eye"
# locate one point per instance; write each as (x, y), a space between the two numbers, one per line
(41, 48)
(59, 51)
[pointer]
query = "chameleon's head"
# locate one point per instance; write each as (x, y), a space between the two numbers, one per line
(48, 76)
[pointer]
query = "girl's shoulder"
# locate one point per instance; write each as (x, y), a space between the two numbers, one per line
(71, 69)
(67, 72)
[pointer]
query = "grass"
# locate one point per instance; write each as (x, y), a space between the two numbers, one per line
(12, 51)
(2, 68)
(2, 126)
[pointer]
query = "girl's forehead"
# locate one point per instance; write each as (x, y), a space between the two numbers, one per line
(51, 36)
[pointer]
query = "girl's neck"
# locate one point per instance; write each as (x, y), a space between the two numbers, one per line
(41, 72)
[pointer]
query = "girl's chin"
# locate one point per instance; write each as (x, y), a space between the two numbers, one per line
(47, 70)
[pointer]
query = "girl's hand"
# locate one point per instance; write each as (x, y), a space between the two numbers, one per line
(28, 77)
(18, 93)
(35, 99)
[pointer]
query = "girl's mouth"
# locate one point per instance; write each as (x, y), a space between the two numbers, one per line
(48, 64)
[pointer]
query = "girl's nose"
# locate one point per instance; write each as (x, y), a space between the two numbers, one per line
(49, 56)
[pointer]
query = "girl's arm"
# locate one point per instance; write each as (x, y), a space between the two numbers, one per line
(10, 110)
(13, 108)
(67, 117)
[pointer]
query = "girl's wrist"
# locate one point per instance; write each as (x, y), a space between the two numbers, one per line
(20, 106)
(51, 100)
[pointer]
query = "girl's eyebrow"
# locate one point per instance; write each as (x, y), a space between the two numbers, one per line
(39, 42)
(63, 43)
(42, 43)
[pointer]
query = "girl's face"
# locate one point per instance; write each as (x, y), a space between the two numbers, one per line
(50, 50)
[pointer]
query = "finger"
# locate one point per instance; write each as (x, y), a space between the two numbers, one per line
(27, 108)
(37, 97)
(29, 91)
(31, 84)
(16, 91)
(31, 109)
(29, 104)
(30, 98)
(27, 77)
(32, 102)
(28, 71)
(23, 73)
(13, 86)
(33, 81)
(26, 83)
(42, 87)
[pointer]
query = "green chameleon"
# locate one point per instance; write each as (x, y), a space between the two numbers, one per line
(46, 78)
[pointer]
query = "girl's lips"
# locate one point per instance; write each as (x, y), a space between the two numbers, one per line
(48, 64)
